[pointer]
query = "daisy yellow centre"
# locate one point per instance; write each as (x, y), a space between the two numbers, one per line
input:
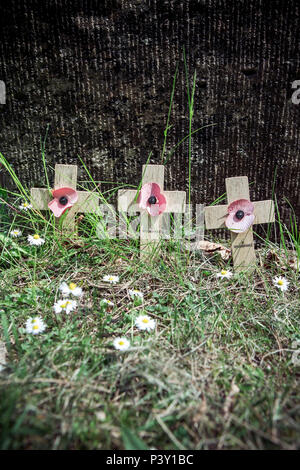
(280, 282)
(121, 343)
(223, 272)
(36, 236)
(35, 327)
(65, 304)
(33, 321)
(145, 320)
(72, 286)
(111, 278)
(25, 204)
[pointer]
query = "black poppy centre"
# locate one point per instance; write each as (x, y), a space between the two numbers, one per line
(63, 200)
(239, 214)
(152, 200)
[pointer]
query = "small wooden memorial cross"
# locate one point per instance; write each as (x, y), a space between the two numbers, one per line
(66, 176)
(241, 243)
(151, 226)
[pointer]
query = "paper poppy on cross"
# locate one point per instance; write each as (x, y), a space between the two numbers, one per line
(64, 198)
(151, 199)
(240, 215)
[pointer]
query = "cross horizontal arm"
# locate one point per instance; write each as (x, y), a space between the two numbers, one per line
(126, 199)
(215, 215)
(87, 202)
(264, 212)
(40, 198)
(175, 201)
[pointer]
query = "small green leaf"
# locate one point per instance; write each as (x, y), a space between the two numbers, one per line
(131, 441)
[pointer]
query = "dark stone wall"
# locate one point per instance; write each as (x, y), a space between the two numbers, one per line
(100, 74)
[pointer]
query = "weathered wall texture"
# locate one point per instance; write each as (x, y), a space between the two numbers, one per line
(100, 74)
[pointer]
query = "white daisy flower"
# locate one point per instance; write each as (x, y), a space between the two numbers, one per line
(121, 343)
(144, 322)
(35, 325)
(111, 279)
(25, 206)
(136, 293)
(281, 283)
(35, 240)
(66, 305)
(71, 288)
(225, 273)
(15, 233)
(109, 303)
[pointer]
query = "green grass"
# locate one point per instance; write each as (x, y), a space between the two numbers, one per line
(216, 373)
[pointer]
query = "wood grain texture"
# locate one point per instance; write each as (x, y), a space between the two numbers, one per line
(243, 253)
(40, 198)
(264, 212)
(215, 215)
(126, 201)
(87, 202)
(66, 176)
(154, 174)
(242, 244)
(237, 188)
(175, 201)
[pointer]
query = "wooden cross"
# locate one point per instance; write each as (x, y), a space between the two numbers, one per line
(241, 243)
(151, 226)
(66, 176)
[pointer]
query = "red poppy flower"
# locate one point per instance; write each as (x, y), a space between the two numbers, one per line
(151, 199)
(64, 198)
(240, 215)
